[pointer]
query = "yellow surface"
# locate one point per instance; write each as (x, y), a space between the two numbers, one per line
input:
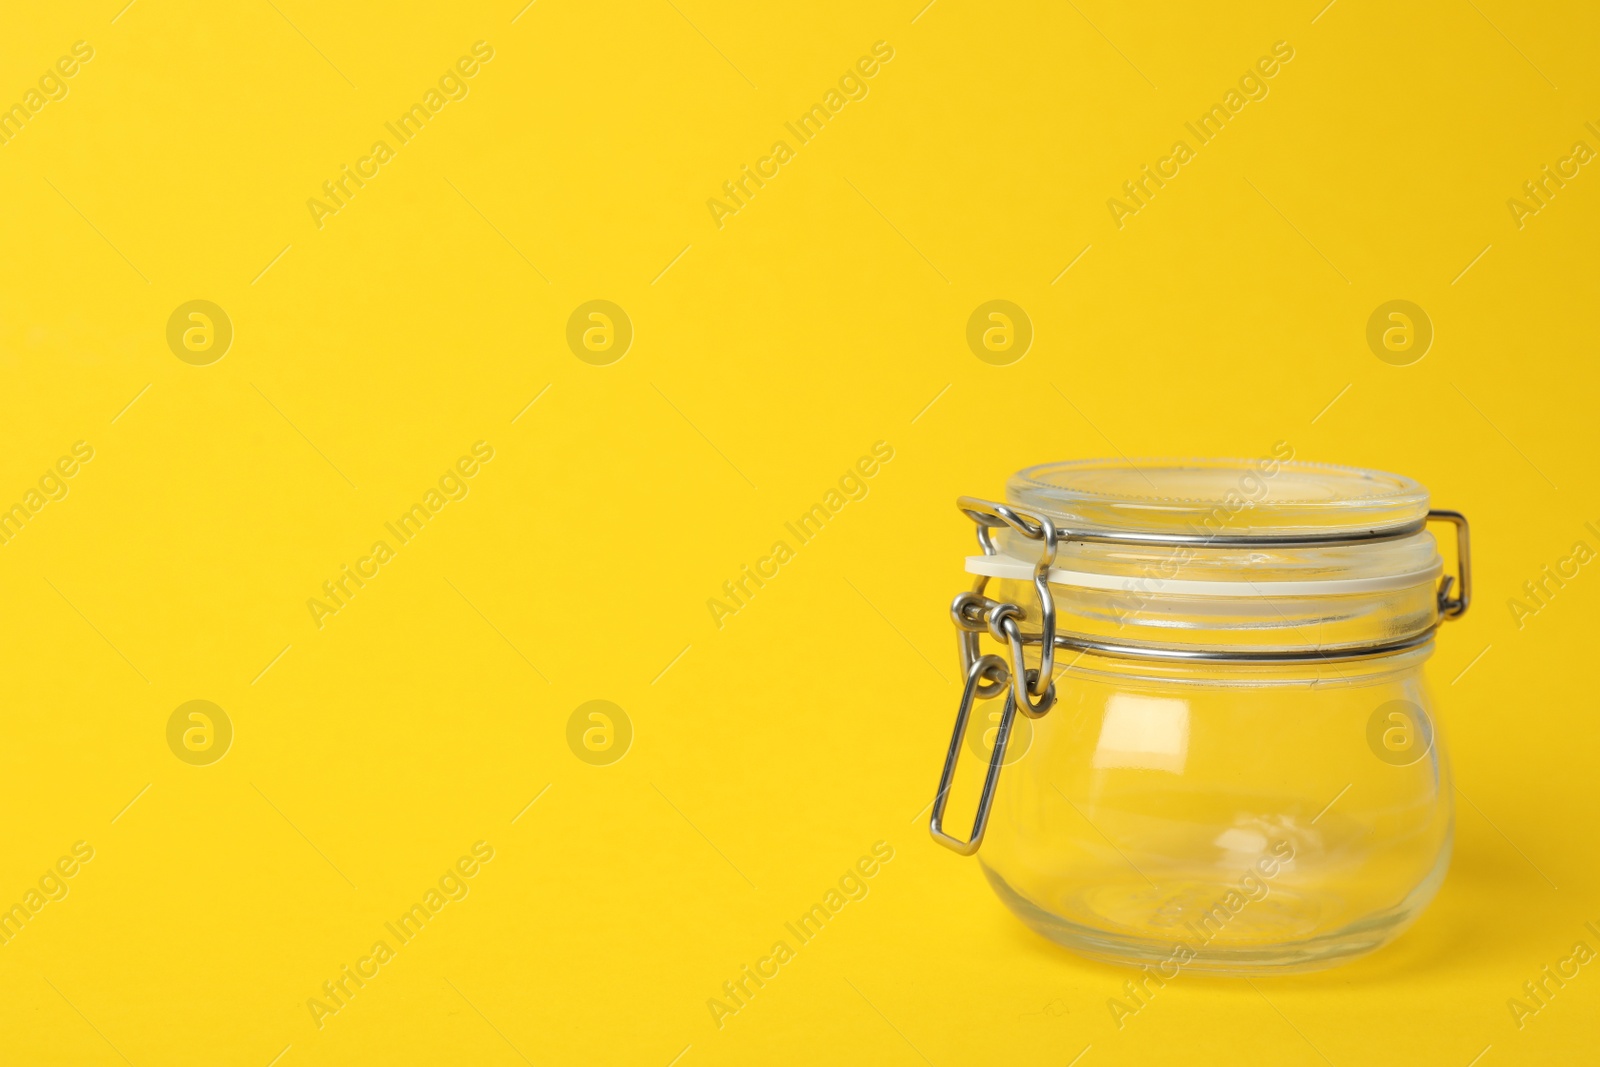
(375, 344)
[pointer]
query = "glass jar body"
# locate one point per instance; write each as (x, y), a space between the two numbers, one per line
(1227, 819)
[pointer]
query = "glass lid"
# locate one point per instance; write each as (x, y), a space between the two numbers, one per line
(1205, 497)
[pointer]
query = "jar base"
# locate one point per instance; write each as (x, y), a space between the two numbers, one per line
(1201, 955)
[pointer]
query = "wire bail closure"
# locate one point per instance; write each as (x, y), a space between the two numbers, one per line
(1032, 690)
(969, 695)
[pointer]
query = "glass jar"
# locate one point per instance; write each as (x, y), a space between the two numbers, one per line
(1227, 758)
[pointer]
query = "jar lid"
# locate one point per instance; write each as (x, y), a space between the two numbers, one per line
(1271, 497)
(1269, 553)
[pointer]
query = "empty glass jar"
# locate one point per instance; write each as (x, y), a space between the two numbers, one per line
(1227, 758)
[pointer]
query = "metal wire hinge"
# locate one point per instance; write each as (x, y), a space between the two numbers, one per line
(1032, 691)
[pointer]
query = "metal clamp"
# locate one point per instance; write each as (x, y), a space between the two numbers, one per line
(966, 847)
(1032, 690)
(1453, 607)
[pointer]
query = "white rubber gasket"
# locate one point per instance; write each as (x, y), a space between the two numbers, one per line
(1003, 566)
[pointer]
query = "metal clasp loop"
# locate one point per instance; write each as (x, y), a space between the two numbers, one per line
(969, 696)
(1453, 607)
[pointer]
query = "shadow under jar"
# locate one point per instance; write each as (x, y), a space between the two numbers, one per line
(1208, 704)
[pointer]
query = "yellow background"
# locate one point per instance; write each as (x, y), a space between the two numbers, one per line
(769, 754)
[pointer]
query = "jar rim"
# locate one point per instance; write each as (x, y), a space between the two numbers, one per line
(1269, 554)
(1271, 496)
